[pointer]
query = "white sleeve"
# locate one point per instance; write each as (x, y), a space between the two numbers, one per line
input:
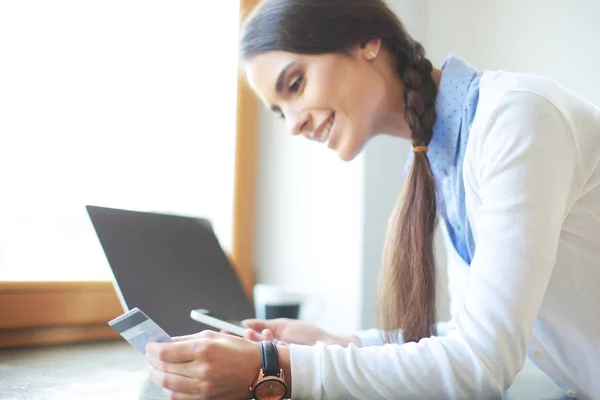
(373, 336)
(525, 164)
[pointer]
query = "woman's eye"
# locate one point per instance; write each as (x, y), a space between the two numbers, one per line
(295, 86)
(281, 116)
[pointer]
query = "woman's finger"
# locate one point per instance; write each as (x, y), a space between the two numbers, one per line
(183, 369)
(255, 324)
(267, 335)
(178, 395)
(175, 352)
(253, 335)
(173, 382)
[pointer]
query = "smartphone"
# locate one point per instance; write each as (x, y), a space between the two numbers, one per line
(217, 321)
(138, 329)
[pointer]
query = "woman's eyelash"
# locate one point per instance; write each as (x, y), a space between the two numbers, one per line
(293, 88)
(296, 84)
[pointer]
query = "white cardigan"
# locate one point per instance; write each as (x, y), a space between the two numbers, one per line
(532, 181)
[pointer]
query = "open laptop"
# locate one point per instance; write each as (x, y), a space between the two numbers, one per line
(167, 265)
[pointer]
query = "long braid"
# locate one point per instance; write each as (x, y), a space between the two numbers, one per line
(419, 95)
(408, 278)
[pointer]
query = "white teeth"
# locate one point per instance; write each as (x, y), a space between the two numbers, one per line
(325, 132)
(326, 129)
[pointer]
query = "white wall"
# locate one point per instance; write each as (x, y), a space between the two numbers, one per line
(557, 39)
(309, 220)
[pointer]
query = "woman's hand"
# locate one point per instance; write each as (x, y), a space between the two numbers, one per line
(205, 365)
(291, 331)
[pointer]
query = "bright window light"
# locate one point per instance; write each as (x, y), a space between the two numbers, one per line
(126, 104)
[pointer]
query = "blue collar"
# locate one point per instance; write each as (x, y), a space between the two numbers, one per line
(454, 108)
(458, 78)
(455, 105)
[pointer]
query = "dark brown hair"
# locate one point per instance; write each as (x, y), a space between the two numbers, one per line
(407, 280)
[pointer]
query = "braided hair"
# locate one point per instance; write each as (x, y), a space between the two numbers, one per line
(407, 279)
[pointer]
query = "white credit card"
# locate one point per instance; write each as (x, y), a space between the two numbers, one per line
(138, 329)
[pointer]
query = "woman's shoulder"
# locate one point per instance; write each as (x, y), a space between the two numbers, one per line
(494, 79)
(530, 100)
(514, 111)
(511, 98)
(498, 88)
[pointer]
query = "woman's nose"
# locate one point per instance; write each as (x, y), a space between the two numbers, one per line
(298, 124)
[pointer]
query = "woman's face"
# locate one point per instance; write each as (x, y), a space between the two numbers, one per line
(331, 98)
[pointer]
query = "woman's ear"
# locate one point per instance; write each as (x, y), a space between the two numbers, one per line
(370, 50)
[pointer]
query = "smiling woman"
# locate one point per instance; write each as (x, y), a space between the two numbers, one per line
(513, 161)
(344, 89)
(115, 117)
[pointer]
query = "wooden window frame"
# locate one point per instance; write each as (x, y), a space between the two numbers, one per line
(42, 313)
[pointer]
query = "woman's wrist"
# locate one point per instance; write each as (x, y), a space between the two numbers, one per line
(284, 352)
(286, 365)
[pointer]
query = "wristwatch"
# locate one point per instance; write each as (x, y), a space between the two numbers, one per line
(270, 382)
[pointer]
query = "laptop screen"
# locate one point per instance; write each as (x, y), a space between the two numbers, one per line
(167, 265)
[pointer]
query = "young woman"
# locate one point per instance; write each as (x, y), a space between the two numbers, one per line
(511, 164)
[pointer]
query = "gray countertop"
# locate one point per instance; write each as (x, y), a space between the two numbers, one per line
(115, 370)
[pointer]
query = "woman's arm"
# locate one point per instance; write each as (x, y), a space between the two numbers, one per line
(525, 166)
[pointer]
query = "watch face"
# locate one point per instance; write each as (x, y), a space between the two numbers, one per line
(271, 389)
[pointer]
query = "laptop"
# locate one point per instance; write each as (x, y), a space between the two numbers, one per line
(167, 265)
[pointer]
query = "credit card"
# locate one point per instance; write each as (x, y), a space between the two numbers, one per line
(138, 329)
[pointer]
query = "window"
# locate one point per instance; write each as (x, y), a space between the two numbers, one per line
(126, 104)
(123, 104)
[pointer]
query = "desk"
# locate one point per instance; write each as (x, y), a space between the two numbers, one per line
(115, 371)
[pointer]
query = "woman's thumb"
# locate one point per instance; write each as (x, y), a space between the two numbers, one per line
(254, 324)
(268, 335)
